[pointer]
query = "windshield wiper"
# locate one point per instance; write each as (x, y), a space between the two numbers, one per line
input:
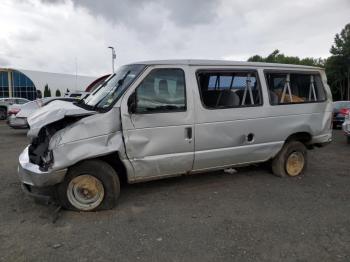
(119, 83)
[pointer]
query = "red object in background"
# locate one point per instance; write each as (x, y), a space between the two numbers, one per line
(13, 111)
(96, 83)
(344, 111)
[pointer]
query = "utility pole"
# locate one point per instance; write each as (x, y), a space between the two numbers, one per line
(76, 73)
(113, 57)
(348, 76)
(348, 83)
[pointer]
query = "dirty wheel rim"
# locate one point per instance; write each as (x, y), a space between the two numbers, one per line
(295, 163)
(85, 192)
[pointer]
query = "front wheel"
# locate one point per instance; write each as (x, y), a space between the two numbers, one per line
(291, 160)
(88, 186)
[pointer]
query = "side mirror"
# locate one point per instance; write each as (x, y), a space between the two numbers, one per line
(132, 103)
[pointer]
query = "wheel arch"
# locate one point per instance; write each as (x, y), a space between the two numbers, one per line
(113, 159)
(303, 137)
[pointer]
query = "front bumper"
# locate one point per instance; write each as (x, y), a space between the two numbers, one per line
(31, 174)
(42, 195)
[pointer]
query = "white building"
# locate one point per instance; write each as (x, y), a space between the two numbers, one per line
(31, 84)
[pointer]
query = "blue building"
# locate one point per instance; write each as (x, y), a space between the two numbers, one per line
(31, 84)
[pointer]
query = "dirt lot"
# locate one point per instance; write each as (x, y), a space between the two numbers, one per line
(247, 216)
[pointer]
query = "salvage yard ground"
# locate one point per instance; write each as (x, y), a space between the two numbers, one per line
(246, 216)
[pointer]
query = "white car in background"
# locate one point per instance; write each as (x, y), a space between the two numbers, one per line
(8, 101)
(18, 114)
(346, 127)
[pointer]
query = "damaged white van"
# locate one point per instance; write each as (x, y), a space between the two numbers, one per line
(157, 119)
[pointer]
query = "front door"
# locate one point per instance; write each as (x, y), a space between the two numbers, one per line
(158, 131)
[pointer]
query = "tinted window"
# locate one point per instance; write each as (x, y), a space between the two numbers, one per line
(286, 88)
(229, 89)
(163, 90)
(4, 87)
(22, 86)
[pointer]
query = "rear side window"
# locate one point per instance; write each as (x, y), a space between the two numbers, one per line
(163, 90)
(229, 89)
(291, 88)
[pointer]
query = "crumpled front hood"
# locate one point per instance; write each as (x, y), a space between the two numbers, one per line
(53, 112)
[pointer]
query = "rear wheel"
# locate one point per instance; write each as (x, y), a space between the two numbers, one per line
(3, 113)
(90, 185)
(291, 160)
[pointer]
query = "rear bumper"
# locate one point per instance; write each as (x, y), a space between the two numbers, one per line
(18, 122)
(31, 174)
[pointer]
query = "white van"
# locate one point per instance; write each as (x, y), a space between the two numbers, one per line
(158, 119)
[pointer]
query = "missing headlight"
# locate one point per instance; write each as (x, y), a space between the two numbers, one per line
(47, 160)
(39, 152)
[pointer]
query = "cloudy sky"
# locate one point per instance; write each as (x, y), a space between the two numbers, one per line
(50, 35)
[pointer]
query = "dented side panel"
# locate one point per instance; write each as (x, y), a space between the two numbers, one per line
(90, 137)
(88, 127)
(68, 154)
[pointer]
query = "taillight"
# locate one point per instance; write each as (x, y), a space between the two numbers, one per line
(13, 111)
(344, 111)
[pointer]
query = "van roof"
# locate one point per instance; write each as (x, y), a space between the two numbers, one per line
(199, 62)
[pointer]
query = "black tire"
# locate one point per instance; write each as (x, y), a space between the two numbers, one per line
(348, 139)
(98, 169)
(279, 162)
(3, 113)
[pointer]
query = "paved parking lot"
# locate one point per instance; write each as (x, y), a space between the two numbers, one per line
(247, 216)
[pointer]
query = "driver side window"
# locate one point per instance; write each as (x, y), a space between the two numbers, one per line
(163, 90)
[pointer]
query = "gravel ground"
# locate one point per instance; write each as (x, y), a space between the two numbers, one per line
(247, 216)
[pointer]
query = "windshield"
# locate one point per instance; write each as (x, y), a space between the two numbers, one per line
(110, 90)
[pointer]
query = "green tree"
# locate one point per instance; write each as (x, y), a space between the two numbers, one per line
(58, 92)
(277, 57)
(47, 91)
(338, 65)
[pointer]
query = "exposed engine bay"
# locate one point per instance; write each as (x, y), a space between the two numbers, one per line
(39, 152)
(62, 134)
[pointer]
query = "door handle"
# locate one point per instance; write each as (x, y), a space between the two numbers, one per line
(250, 138)
(188, 133)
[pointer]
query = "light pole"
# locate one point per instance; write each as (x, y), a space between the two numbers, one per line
(113, 57)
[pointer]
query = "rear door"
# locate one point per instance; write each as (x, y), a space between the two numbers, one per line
(159, 133)
(230, 125)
